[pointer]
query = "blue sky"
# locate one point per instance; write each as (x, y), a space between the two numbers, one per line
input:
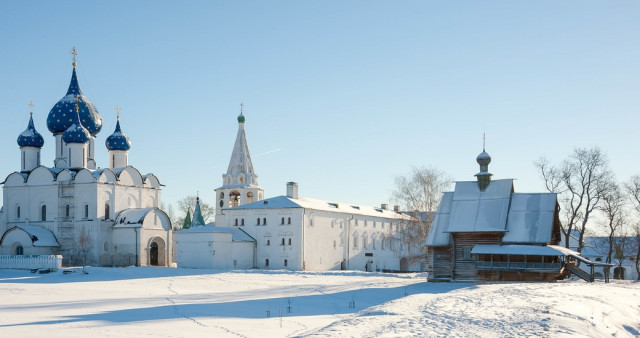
(340, 96)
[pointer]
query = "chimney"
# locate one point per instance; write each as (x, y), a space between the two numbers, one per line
(396, 208)
(292, 189)
(384, 206)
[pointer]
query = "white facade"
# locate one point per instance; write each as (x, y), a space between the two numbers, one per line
(307, 234)
(86, 212)
(291, 232)
(209, 247)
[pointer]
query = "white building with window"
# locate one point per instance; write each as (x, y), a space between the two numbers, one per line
(114, 212)
(291, 232)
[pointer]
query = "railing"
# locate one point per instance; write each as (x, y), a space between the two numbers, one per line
(579, 272)
(522, 266)
(26, 262)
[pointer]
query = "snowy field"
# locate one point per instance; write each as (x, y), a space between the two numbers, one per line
(164, 302)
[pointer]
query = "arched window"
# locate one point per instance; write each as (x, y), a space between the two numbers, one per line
(282, 241)
(289, 220)
(43, 214)
(258, 221)
(285, 262)
(282, 220)
(373, 242)
(266, 262)
(19, 250)
(106, 211)
(236, 222)
(234, 199)
(382, 243)
(289, 241)
(355, 240)
(221, 195)
(365, 241)
(268, 242)
(86, 211)
(106, 246)
(67, 210)
(249, 197)
(334, 243)
(242, 222)
(18, 212)
(264, 221)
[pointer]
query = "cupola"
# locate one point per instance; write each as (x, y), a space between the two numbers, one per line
(30, 137)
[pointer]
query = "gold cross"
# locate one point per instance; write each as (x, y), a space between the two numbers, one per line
(241, 107)
(31, 107)
(118, 111)
(484, 140)
(74, 53)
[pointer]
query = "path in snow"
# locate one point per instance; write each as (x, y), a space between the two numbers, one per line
(166, 302)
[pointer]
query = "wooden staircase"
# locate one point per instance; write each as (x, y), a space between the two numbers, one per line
(579, 272)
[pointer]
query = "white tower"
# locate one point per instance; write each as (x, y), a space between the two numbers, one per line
(30, 142)
(240, 183)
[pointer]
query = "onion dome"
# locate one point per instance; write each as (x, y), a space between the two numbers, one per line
(61, 115)
(118, 140)
(76, 133)
(483, 158)
(30, 137)
(241, 116)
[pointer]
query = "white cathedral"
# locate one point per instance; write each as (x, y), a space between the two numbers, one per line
(289, 231)
(104, 216)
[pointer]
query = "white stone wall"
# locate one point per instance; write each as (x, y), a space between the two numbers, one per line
(211, 250)
(313, 234)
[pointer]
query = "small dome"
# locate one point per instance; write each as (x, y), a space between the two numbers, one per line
(118, 140)
(30, 137)
(76, 133)
(60, 116)
(240, 118)
(483, 159)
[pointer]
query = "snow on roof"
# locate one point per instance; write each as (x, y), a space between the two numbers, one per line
(474, 210)
(527, 250)
(530, 218)
(438, 235)
(39, 235)
(284, 202)
(131, 218)
(237, 235)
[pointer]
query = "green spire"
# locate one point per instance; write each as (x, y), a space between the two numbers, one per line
(187, 221)
(198, 221)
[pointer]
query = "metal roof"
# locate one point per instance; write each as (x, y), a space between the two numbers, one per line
(474, 210)
(530, 218)
(526, 250)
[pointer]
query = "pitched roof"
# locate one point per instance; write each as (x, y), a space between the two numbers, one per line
(284, 202)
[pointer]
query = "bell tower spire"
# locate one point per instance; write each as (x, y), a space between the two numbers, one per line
(240, 183)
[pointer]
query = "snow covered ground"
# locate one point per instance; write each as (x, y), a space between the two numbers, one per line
(165, 302)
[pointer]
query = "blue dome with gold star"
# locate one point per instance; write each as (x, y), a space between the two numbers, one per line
(76, 133)
(118, 140)
(30, 137)
(61, 115)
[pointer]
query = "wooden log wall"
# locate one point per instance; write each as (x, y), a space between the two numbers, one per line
(464, 266)
(439, 262)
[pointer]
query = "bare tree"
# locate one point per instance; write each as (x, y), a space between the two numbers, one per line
(168, 208)
(189, 203)
(419, 194)
(633, 191)
(580, 181)
(84, 245)
(612, 206)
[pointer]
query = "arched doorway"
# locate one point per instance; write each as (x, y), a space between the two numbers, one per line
(153, 254)
(404, 264)
(343, 265)
(618, 273)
